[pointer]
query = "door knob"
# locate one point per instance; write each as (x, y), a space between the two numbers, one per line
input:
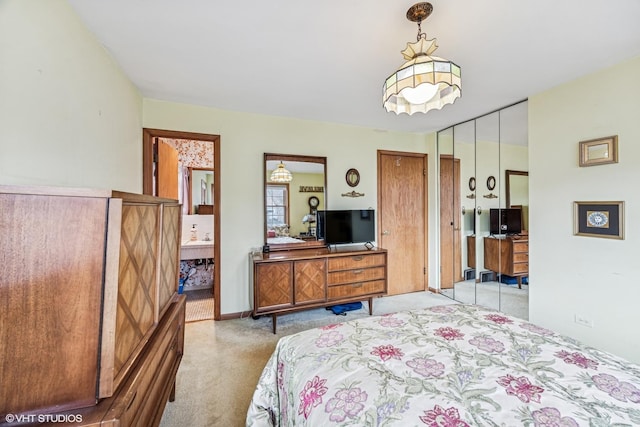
(385, 233)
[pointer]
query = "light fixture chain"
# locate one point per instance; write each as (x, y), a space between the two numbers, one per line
(420, 33)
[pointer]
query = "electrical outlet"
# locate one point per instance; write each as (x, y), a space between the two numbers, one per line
(581, 320)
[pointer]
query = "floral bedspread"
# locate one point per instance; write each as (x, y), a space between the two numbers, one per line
(453, 365)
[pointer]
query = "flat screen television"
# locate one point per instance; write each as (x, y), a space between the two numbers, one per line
(346, 226)
(505, 221)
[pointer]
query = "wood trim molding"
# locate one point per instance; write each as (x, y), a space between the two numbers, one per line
(147, 188)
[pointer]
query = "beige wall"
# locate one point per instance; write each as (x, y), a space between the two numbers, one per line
(244, 139)
(573, 275)
(68, 115)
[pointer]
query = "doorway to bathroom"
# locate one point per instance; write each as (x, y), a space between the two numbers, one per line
(186, 166)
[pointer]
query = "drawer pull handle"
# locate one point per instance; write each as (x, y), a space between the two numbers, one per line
(357, 271)
(357, 258)
(357, 285)
(132, 400)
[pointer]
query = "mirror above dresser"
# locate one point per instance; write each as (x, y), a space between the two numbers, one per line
(294, 189)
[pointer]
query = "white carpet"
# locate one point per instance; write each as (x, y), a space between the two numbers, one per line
(498, 296)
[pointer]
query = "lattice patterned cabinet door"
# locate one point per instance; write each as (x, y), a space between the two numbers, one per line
(310, 281)
(274, 286)
(169, 255)
(136, 308)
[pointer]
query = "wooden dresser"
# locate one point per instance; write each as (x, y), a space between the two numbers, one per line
(509, 255)
(288, 281)
(89, 316)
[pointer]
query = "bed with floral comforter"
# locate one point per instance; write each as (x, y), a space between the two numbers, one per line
(453, 365)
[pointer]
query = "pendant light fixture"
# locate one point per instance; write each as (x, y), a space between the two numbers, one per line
(280, 174)
(423, 82)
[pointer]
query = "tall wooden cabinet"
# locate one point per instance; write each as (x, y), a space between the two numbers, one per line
(88, 276)
(289, 281)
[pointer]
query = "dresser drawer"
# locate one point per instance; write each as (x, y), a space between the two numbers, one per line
(356, 289)
(355, 261)
(140, 397)
(521, 268)
(356, 275)
(520, 247)
(520, 257)
(150, 410)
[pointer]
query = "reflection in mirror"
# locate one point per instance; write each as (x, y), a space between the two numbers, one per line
(514, 161)
(448, 167)
(488, 165)
(291, 203)
(517, 193)
(478, 266)
(464, 218)
(200, 200)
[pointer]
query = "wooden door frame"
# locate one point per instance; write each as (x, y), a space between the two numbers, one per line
(147, 188)
(425, 159)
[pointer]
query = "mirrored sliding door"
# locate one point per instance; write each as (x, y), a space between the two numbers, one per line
(484, 210)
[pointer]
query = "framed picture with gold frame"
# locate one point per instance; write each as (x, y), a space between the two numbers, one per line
(599, 219)
(599, 151)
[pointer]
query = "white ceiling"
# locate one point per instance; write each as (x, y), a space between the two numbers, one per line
(327, 60)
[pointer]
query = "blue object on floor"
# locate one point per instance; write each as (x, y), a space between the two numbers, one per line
(181, 286)
(509, 280)
(343, 308)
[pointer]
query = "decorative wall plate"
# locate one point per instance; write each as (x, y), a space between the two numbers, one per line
(597, 219)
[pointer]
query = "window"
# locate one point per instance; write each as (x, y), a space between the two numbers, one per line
(277, 204)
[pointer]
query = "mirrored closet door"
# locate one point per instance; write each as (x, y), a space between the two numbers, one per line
(483, 196)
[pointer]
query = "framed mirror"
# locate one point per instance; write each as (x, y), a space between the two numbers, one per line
(516, 188)
(294, 188)
(517, 193)
(352, 177)
(199, 190)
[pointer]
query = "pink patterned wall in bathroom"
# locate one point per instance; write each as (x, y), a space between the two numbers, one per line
(193, 153)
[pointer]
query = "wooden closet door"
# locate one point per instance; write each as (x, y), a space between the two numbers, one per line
(450, 250)
(402, 219)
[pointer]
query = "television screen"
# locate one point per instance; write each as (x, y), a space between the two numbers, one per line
(346, 226)
(505, 221)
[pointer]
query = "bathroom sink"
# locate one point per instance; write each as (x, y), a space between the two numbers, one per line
(198, 243)
(196, 249)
